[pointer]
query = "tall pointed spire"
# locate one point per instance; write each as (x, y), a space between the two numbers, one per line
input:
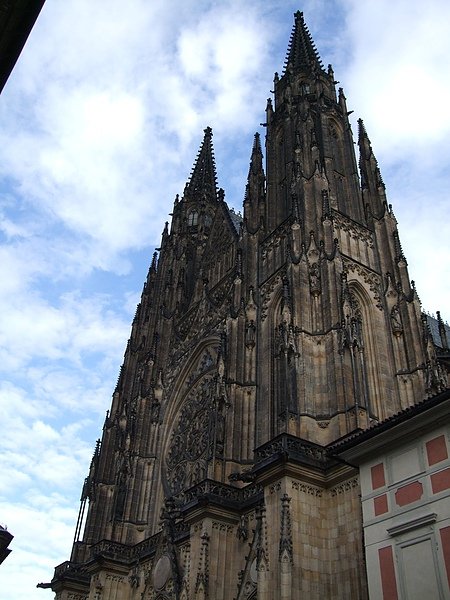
(302, 54)
(256, 183)
(202, 183)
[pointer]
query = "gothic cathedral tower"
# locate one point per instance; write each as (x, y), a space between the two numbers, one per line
(258, 342)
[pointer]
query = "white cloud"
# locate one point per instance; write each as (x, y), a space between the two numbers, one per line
(398, 83)
(398, 73)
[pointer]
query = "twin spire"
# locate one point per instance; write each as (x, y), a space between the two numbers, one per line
(303, 56)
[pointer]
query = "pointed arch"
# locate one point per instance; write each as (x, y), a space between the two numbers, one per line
(366, 315)
(195, 430)
(193, 218)
(284, 356)
(200, 360)
(336, 145)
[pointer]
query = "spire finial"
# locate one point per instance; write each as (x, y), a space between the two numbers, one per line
(256, 158)
(202, 184)
(255, 188)
(302, 54)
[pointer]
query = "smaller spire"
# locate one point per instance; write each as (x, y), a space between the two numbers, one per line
(256, 184)
(202, 183)
(302, 54)
(256, 158)
(152, 270)
(368, 164)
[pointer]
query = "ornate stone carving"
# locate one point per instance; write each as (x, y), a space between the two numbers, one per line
(250, 334)
(285, 443)
(344, 487)
(396, 321)
(353, 229)
(267, 290)
(286, 338)
(275, 487)
(204, 365)
(242, 528)
(262, 554)
(215, 489)
(373, 280)
(223, 527)
(199, 435)
(134, 578)
(315, 284)
(307, 489)
(285, 546)
(115, 578)
(275, 239)
(202, 580)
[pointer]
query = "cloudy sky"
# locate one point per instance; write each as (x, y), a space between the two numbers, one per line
(100, 124)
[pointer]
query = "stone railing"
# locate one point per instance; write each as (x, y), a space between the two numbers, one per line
(70, 569)
(215, 491)
(110, 549)
(295, 448)
(146, 547)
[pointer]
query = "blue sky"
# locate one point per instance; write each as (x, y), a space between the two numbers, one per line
(100, 124)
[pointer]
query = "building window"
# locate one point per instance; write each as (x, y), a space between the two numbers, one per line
(193, 218)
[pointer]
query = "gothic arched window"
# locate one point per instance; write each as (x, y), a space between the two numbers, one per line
(193, 218)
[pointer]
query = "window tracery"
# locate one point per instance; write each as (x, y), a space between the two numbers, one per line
(198, 436)
(193, 218)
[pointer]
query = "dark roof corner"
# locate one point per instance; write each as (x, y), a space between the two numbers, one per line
(17, 19)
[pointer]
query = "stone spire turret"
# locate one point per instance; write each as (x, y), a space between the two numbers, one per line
(302, 55)
(202, 184)
(255, 189)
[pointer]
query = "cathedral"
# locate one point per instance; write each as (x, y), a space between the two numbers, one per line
(280, 427)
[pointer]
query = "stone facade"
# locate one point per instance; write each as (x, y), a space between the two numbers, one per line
(258, 342)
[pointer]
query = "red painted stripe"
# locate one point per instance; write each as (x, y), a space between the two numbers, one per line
(380, 505)
(378, 479)
(409, 493)
(440, 481)
(436, 450)
(387, 570)
(445, 539)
